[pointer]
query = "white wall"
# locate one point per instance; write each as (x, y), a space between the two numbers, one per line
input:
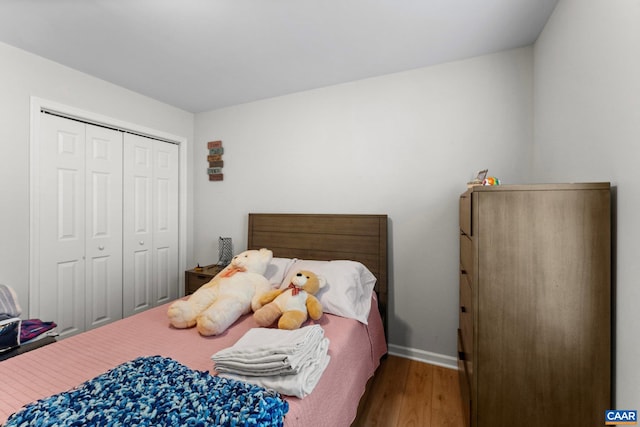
(587, 128)
(23, 75)
(403, 145)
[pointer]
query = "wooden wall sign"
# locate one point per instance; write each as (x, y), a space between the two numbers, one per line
(215, 160)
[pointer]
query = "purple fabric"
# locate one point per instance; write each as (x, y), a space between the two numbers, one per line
(33, 327)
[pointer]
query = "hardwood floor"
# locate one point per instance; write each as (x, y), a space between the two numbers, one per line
(406, 393)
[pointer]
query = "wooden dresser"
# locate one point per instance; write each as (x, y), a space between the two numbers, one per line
(534, 342)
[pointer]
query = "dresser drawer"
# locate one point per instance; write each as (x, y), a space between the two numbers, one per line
(466, 319)
(466, 256)
(465, 296)
(462, 366)
(465, 213)
(465, 383)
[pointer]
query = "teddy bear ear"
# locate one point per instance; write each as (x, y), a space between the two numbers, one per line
(266, 253)
(321, 281)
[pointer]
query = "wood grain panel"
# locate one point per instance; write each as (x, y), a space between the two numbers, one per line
(357, 225)
(464, 383)
(466, 256)
(350, 243)
(407, 393)
(417, 412)
(466, 324)
(543, 306)
(383, 408)
(465, 213)
(446, 410)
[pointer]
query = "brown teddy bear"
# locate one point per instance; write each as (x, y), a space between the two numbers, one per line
(292, 304)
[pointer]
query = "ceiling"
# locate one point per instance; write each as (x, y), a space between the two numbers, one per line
(200, 55)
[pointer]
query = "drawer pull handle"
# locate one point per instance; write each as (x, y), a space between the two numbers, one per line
(463, 271)
(463, 309)
(202, 276)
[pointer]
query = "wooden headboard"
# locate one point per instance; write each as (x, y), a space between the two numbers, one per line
(360, 238)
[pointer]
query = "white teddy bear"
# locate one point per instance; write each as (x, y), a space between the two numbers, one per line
(230, 294)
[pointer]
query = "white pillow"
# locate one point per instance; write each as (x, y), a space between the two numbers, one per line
(277, 269)
(348, 290)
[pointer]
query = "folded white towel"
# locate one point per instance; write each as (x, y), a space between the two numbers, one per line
(263, 351)
(300, 384)
(269, 341)
(277, 368)
(288, 366)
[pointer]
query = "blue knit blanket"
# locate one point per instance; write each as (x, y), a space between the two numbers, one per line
(156, 391)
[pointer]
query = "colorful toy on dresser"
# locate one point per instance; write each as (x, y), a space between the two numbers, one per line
(491, 180)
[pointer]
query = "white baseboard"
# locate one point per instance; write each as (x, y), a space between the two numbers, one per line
(423, 356)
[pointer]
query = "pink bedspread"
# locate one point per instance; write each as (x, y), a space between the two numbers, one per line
(355, 351)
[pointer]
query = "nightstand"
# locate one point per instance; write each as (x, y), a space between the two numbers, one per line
(194, 278)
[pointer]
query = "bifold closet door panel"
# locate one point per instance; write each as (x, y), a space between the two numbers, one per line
(61, 262)
(137, 224)
(165, 222)
(103, 241)
(79, 283)
(150, 223)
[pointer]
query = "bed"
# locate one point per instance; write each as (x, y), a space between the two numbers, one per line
(355, 347)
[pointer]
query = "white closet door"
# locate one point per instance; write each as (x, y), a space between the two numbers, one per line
(103, 226)
(80, 224)
(165, 222)
(150, 223)
(61, 223)
(137, 224)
